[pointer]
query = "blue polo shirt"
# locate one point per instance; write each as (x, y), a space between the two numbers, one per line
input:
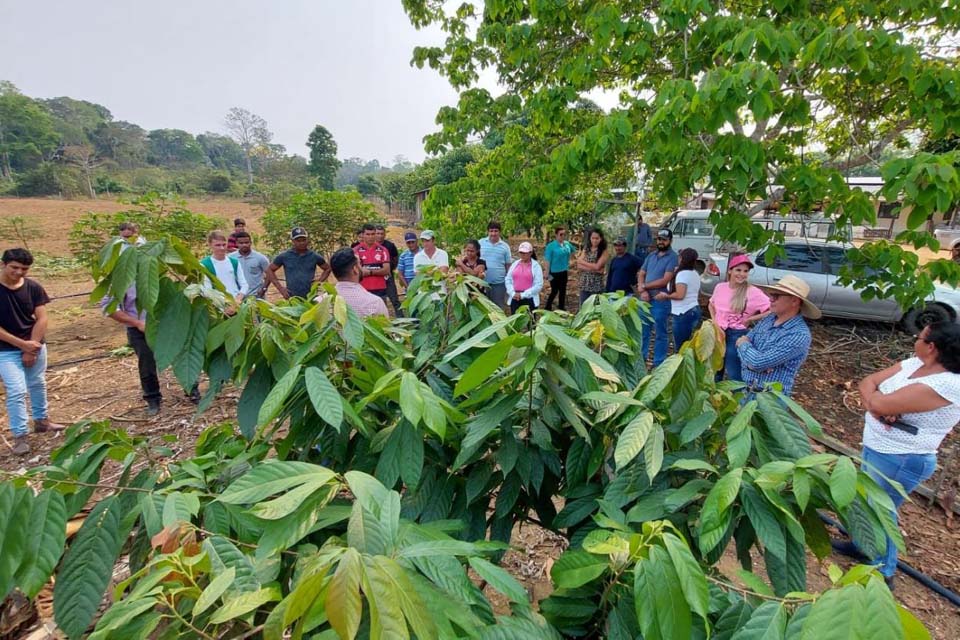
(497, 257)
(657, 265)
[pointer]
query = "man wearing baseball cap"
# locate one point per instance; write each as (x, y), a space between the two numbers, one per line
(405, 261)
(299, 264)
(778, 344)
(656, 273)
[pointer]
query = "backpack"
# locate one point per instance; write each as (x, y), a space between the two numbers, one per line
(208, 265)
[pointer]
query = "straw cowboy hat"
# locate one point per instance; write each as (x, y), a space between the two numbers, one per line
(794, 286)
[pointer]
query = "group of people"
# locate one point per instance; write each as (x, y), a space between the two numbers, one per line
(911, 406)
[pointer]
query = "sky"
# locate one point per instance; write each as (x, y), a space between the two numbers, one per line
(182, 64)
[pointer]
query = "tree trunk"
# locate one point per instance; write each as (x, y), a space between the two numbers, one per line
(249, 169)
(86, 174)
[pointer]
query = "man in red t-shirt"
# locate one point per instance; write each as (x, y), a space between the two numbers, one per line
(374, 262)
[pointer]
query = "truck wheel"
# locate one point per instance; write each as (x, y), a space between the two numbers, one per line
(916, 319)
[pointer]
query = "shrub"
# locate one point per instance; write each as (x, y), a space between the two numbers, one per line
(330, 217)
(218, 183)
(380, 462)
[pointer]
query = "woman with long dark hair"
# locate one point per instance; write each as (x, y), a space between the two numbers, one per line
(592, 263)
(684, 297)
(469, 262)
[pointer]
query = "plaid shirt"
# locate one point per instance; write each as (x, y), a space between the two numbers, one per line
(774, 353)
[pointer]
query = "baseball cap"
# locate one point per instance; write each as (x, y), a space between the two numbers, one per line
(426, 234)
(525, 247)
(409, 236)
(665, 233)
(736, 261)
(298, 232)
(620, 240)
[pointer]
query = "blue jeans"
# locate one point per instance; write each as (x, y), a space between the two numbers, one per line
(683, 326)
(732, 368)
(909, 469)
(19, 380)
(660, 310)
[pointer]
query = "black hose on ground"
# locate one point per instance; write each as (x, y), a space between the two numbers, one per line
(919, 576)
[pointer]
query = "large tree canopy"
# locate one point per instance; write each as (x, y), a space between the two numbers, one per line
(730, 97)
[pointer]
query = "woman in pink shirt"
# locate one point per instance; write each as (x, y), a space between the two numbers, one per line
(734, 306)
(524, 280)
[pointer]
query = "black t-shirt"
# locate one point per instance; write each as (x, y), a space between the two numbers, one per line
(17, 307)
(394, 254)
(623, 273)
(299, 270)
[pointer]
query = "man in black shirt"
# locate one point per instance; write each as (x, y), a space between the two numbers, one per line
(299, 264)
(623, 269)
(392, 293)
(23, 354)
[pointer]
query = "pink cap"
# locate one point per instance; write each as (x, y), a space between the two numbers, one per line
(525, 247)
(736, 261)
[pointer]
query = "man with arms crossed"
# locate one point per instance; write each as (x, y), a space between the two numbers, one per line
(23, 354)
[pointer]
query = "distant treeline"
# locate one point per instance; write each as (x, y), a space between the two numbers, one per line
(68, 147)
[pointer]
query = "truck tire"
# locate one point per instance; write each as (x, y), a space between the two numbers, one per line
(916, 319)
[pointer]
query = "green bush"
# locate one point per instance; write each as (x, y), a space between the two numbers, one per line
(49, 179)
(330, 217)
(156, 214)
(218, 183)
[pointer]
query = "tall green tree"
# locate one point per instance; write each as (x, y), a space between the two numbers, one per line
(173, 148)
(222, 151)
(716, 95)
(123, 142)
(27, 134)
(323, 157)
(250, 132)
(76, 120)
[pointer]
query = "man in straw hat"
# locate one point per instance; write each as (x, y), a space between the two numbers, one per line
(776, 347)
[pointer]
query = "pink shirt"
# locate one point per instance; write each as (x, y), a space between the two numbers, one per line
(522, 277)
(362, 302)
(757, 302)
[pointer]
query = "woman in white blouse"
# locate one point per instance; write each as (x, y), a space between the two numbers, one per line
(911, 407)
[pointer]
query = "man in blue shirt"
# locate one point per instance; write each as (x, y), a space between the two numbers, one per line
(656, 273)
(557, 258)
(496, 253)
(405, 261)
(776, 347)
(622, 274)
(644, 240)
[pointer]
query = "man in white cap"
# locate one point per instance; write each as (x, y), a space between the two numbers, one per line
(778, 344)
(431, 255)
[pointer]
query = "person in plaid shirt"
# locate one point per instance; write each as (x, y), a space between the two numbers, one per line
(777, 346)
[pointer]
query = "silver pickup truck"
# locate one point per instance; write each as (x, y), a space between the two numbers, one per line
(949, 237)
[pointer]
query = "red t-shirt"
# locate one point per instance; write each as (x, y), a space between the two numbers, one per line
(372, 256)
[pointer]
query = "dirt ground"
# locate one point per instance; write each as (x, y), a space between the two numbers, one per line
(107, 388)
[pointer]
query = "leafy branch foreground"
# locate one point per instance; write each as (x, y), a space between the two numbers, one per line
(384, 466)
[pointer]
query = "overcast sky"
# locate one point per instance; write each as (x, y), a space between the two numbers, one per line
(182, 64)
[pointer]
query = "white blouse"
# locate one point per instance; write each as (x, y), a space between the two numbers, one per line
(933, 426)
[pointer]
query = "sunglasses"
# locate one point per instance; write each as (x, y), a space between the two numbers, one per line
(777, 296)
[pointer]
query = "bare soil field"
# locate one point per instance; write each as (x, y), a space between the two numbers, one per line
(83, 384)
